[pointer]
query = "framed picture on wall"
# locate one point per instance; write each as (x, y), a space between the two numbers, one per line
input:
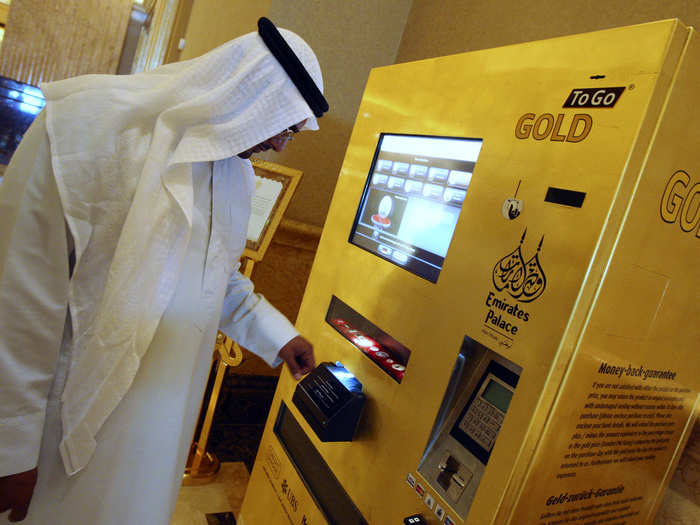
(274, 186)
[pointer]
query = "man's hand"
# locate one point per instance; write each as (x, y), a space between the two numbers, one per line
(16, 492)
(299, 356)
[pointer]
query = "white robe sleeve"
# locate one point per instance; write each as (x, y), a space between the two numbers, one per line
(33, 297)
(254, 323)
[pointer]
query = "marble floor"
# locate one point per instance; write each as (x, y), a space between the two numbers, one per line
(224, 494)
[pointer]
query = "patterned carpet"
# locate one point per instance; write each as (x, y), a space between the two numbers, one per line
(240, 417)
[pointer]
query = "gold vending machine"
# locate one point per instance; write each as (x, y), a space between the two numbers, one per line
(504, 303)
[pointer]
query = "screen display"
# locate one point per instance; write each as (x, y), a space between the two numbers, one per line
(498, 395)
(413, 197)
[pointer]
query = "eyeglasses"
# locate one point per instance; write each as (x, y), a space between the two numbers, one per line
(289, 132)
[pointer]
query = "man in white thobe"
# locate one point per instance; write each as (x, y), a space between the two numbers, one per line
(122, 216)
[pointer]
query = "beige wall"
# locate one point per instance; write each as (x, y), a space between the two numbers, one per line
(213, 22)
(444, 27)
(349, 39)
(50, 39)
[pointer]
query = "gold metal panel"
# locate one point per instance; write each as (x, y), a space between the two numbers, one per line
(485, 94)
(642, 317)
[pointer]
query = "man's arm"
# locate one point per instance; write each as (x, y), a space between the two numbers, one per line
(33, 298)
(255, 324)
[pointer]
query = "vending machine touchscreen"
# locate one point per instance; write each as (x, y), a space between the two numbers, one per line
(480, 421)
(412, 200)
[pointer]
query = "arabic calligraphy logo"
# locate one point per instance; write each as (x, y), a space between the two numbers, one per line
(524, 281)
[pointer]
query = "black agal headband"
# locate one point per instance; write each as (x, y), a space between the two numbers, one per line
(293, 66)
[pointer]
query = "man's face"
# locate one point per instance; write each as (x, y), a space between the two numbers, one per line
(277, 143)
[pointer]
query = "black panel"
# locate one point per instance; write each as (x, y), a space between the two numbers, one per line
(565, 197)
(329, 494)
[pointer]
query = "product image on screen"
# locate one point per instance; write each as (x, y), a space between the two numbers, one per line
(412, 199)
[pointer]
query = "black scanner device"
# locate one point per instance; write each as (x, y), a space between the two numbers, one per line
(331, 400)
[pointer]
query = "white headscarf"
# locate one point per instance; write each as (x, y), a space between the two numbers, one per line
(121, 151)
